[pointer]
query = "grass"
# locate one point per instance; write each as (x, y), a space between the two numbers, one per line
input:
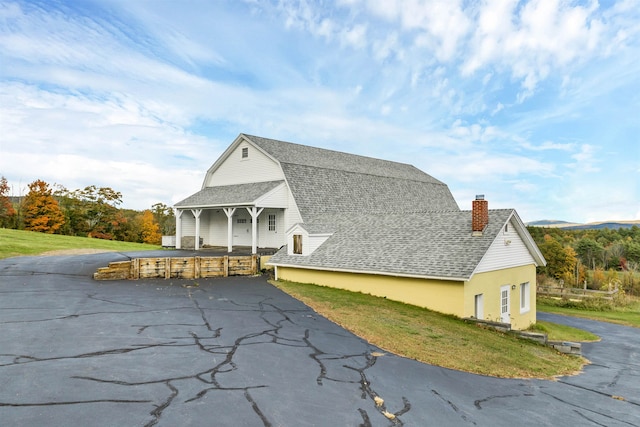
(19, 242)
(434, 338)
(627, 314)
(557, 332)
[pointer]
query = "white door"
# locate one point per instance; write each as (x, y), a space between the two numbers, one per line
(505, 309)
(242, 229)
(479, 307)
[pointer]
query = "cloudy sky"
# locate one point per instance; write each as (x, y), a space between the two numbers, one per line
(535, 104)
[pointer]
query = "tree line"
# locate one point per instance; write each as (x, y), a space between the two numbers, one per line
(595, 257)
(88, 212)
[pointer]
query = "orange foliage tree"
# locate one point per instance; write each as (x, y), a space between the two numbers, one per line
(41, 210)
(150, 228)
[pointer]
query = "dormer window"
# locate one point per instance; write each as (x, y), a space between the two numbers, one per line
(245, 152)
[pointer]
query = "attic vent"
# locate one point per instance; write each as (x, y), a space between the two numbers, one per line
(245, 152)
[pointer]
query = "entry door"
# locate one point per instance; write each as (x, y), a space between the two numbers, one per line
(505, 309)
(242, 229)
(479, 307)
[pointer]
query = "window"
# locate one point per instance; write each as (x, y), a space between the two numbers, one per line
(245, 152)
(241, 220)
(272, 222)
(524, 297)
(297, 244)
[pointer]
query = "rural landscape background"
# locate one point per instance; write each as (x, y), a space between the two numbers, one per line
(596, 258)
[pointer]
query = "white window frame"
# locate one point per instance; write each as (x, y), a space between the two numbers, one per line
(272, 222)
(525, 297)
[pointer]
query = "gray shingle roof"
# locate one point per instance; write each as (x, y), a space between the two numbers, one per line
(427, 244)
(325, 181)
(241, 194)
(319, 191)
(287, 152)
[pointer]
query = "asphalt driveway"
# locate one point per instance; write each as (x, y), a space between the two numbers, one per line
(238, 352)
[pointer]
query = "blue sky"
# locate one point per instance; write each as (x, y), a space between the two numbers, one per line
(535, 104)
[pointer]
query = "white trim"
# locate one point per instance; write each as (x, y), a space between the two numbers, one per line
(526, 307)
(375, 273)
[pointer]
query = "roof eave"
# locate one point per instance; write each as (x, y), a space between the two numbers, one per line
(377, 273)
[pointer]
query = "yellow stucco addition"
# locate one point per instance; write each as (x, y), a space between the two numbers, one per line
(445, 296)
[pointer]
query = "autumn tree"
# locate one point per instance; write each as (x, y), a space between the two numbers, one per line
(92, 211)
(7, 212)
(561, 261)
(150, 230)
(165, 218)
(41, 210)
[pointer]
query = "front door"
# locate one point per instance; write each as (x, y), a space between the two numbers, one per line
(505, 312)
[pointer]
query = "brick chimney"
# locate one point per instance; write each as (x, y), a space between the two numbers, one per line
(479, 214)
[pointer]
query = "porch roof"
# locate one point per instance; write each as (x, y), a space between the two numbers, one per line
(229, 195)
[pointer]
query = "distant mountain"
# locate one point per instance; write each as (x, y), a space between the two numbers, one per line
(614, 225)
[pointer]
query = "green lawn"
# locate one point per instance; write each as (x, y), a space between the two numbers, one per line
(557, 332)
(628, 315)
(435, 338)
(19, 242)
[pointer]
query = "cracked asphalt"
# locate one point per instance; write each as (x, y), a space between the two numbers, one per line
(239, 352)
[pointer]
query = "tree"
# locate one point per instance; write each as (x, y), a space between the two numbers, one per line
(41, 210)
(165, 218)
(561, 261)
(91, 211)
(150, 230)
(589, 251)
(7, 212)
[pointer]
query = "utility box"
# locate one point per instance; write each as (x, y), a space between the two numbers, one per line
(168, 241)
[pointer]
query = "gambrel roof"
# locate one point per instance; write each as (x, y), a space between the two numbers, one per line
(436, 245)
(325, 181)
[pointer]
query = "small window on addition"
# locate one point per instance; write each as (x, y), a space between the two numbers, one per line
(297, 244)
(272, 222)
(245, 152)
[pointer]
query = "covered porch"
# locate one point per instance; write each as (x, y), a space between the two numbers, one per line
(244, 215)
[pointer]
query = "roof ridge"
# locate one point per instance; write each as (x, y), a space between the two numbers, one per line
(330, 150)
(371, 174)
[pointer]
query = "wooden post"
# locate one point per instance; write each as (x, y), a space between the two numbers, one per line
(225, 261)
(135, 268)
(229, 212)
(167, 268)
(196, 268)
(254, 264)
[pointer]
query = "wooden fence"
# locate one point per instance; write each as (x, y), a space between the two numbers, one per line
(575, 293)
(179, 268)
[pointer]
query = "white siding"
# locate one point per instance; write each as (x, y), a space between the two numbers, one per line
(315, 241)
(277, 198)
(507, 250)
(188, 224)
(217, 228)
(257, 167)
(271, 238)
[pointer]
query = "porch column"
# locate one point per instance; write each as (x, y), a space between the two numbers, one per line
(196, 213)
(229, 212)
(179, 213)
(254, 212)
